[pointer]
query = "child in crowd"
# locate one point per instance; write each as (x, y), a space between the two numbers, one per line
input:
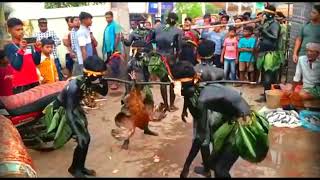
(229, 55)
(47, 66)
(22, 57)
(246, 58)
(5, 75)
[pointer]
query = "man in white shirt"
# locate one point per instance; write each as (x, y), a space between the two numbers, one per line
(308, 67)
(84, 36)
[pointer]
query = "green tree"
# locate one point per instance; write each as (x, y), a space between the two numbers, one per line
(51, 5)
(192, 10)
(4, 12)
(211, 9)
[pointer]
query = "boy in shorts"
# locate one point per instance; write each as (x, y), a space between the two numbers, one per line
(246, 47)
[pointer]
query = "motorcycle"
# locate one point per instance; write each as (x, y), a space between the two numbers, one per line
(25, 110)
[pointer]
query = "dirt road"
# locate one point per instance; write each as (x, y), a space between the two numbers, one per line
(293, 152)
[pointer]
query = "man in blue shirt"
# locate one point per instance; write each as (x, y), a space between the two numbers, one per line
(217, 37)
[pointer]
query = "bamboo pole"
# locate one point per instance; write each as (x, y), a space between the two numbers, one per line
(168, 83)
(230, 24)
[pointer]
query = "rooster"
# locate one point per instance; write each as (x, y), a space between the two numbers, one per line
(137, 111)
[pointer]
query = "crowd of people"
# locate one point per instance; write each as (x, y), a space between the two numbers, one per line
(247, 50)
(240, 49)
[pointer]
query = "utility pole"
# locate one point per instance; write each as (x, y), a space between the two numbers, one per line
(159, 10)
(239, 8)
(3, 33)
(203, 6)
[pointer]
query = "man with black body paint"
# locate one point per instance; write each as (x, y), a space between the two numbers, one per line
(70, 99)
(207, 105)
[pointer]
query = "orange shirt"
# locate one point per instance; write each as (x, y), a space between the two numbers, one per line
(48, 69)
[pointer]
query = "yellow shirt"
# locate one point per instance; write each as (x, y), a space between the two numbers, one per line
(48, 69)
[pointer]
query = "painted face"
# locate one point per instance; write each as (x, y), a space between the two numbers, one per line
(16, 32)
(43, 27)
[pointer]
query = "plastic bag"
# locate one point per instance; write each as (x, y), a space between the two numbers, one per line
(310, 120)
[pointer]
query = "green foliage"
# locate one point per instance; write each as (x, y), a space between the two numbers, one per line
(211, 9)
(192, 10)
(250, 140)
(52, 5)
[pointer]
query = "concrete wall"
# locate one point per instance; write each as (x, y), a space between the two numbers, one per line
(300, 16)
(57, 22)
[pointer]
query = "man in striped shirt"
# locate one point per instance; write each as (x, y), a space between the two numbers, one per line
(45, 33)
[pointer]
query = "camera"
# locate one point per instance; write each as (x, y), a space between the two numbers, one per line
(31, 40)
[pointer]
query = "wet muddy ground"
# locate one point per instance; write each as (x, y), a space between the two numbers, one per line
(293, 152)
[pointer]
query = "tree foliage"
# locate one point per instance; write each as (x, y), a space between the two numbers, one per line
(211, 9)
(192, 10)
(51, 5)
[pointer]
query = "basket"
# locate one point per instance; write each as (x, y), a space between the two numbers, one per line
(273, 98)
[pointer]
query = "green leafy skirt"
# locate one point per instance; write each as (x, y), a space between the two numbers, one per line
(249, 140)
(56, 121)
(270, 61)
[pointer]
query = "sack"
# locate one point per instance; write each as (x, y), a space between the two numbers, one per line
(250, 140)
(156, 66)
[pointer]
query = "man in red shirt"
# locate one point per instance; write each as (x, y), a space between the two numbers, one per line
(23, 58)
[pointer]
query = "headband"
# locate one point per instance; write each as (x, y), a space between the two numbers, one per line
(92, 73)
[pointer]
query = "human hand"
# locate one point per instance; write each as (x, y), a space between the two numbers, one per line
(295, 58)
(133, 75)
(72, 54)
(37, 44)
(23, 44)
(221, 60)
